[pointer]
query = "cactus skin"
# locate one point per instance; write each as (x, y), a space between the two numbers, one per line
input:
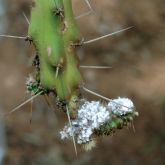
(52, 30)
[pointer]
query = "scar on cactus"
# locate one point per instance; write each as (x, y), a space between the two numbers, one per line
(55, 36)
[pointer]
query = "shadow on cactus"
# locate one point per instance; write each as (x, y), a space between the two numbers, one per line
(55, 36)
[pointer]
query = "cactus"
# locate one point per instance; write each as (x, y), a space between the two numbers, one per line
(55, 36)
(54, 33)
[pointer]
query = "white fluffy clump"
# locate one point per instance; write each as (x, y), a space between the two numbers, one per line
(30, 80)
(66, 132)
(90, 116)
(121, 106)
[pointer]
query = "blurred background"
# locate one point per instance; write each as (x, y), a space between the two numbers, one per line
(138, 72)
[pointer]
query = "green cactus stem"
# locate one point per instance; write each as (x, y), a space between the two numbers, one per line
(53, 31)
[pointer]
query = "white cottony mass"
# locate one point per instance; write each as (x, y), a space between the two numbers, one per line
(121, 106)
(91, 115)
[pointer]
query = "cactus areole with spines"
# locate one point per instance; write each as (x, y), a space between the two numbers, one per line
(53, 31)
